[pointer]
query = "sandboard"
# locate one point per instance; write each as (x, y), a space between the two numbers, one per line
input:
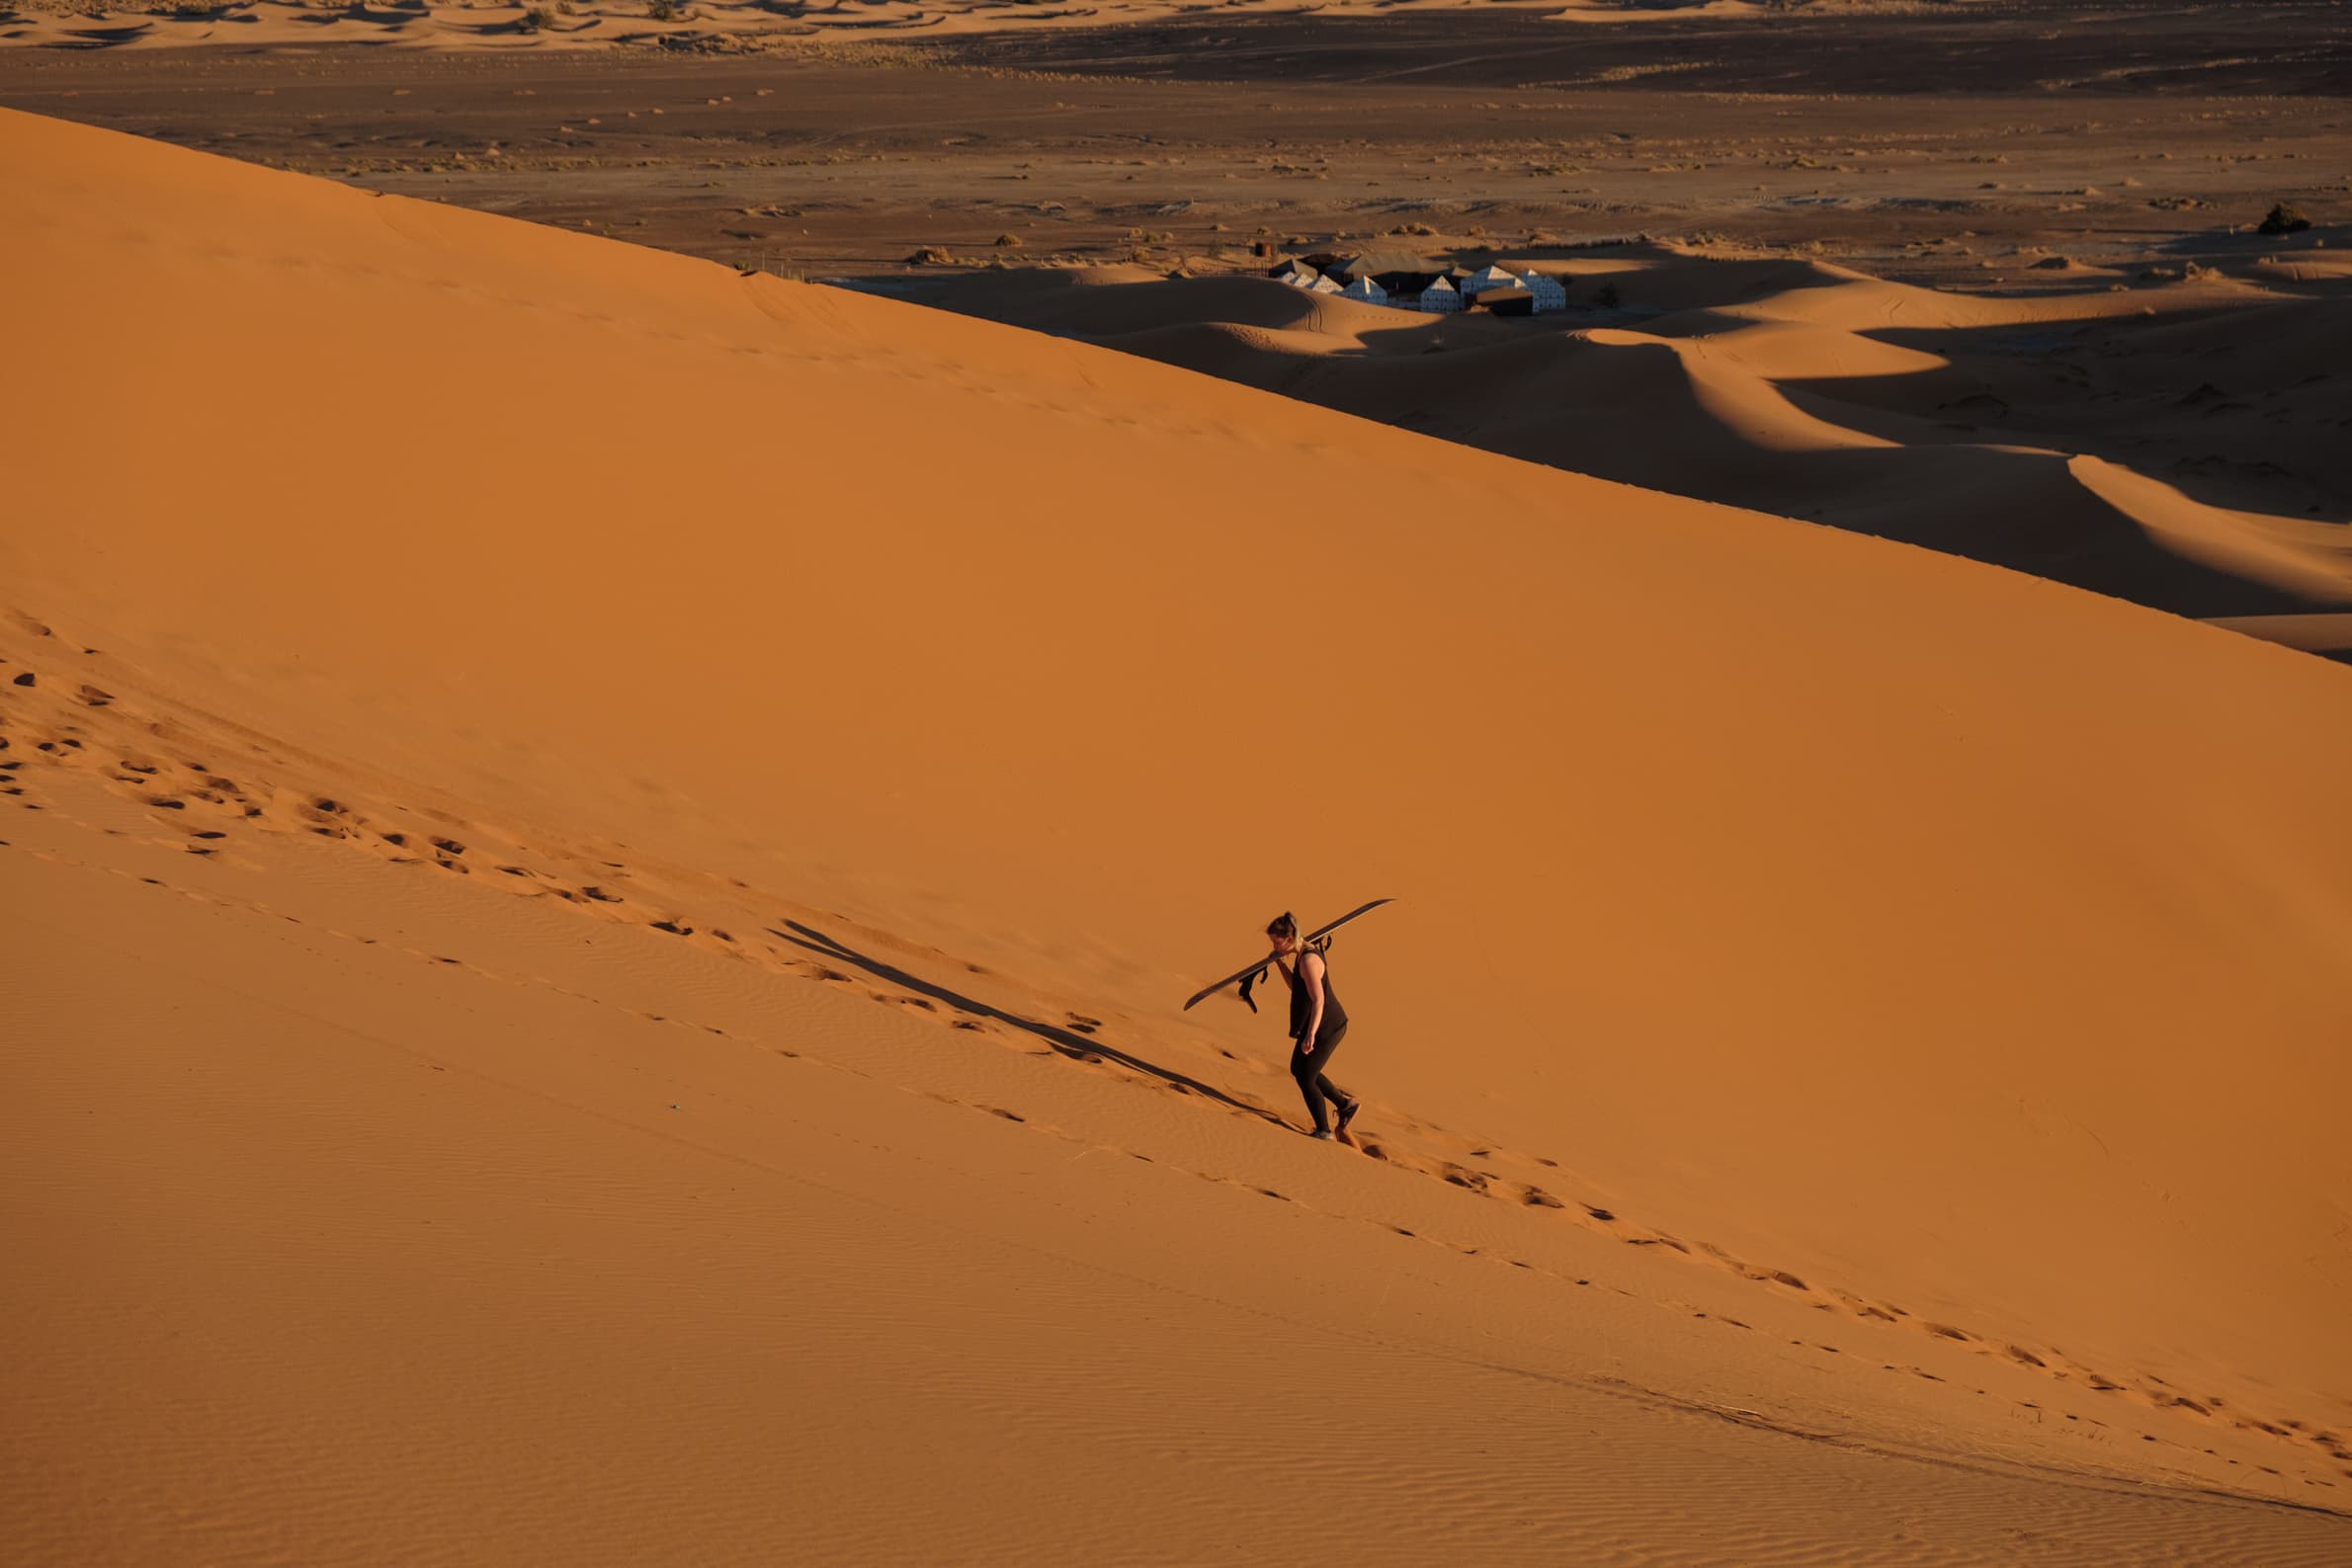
(1252, 971)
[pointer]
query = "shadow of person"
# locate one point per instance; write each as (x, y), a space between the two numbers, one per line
(1067, 1041)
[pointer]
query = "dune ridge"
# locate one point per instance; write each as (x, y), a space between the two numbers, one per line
(1999, 428)
(1792, 1062)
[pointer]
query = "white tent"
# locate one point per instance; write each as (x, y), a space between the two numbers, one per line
(1301, 276)
(1551, 294)
(1365, 289)
(1486, 277)
(1440, 298)
(1326, 285)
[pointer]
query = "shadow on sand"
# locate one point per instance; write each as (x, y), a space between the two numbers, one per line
(1067, 1041)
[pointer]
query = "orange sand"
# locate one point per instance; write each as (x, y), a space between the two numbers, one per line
(606, 854)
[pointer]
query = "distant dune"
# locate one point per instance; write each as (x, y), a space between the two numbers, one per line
(599, 859)
(2006, 430)
(490, 26)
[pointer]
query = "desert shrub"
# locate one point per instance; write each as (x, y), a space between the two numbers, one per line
(1005, 240)
(535, 19)
(931, 256)
(2283, 219)
(661, 11)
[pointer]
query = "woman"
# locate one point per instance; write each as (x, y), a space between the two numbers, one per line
(1318, 1025)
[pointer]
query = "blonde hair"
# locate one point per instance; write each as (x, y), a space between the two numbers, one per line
(1286, 924)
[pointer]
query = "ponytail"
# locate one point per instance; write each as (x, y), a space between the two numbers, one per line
(1286, 924)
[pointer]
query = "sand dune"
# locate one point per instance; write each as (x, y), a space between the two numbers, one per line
(2006, 430)
(574, 25)
(600, 855)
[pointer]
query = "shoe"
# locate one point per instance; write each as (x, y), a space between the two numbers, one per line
(1347, 1113)
(1323, 1134)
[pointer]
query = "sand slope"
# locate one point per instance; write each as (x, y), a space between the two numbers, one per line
(2051, 434)
(606, 852)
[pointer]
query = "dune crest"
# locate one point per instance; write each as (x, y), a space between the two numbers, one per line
(1956, 422)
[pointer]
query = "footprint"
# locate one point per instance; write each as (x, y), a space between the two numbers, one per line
(1459, 1176)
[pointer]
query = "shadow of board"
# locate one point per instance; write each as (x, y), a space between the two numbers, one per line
(1068, 1042)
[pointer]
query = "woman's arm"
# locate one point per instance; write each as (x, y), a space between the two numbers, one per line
(1311, 975)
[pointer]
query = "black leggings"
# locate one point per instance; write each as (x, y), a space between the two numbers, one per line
(1308, 1067)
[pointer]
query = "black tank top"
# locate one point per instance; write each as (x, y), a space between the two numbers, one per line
(1335, 1017)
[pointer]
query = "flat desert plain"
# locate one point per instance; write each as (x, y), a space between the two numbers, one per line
(602, 843)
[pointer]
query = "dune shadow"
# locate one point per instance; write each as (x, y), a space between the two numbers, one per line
(1068, 1042)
